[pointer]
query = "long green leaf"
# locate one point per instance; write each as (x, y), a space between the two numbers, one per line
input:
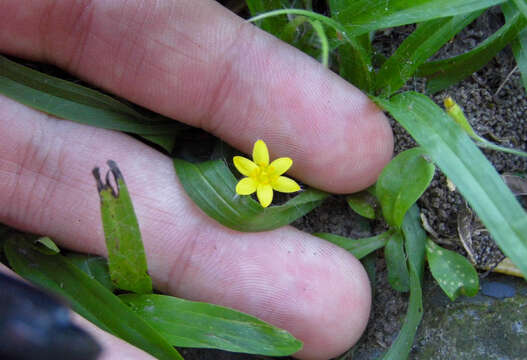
(86, 296)
(415, 249)
(74, 102)
(424, 42)
(212, 187)
(402, 182)
(443, 73)
(519, 44)
(358, 247)
(363, 16)
(462, 162)
(126, 254)
(200, 325)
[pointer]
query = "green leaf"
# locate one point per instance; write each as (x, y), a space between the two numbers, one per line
(348, 55)
(402, 182)
(396, 263)
(463, 163)
(48, 246)
(443, 73)
(424, 42)
(363, 16)
(200, 325)
(453, 272)
(358, 247)
(415, 249)
(126, 254)
(519, 44)
(273, 25)
(95, 267)
(360, 57)
(212, 187)
(363, 203)
(86, 296)
(74, 102)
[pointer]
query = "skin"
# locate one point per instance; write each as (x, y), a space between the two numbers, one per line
(194, 61)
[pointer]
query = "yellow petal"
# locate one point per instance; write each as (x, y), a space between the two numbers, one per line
(264, 194)
(285, 185)
(260, 153)
(245, 166)
(246, 186)
(280, 165)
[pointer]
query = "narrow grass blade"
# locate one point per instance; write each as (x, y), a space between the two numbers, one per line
(360, 248)
(126, 254)
(193, 324)
(74, 102)
(212, 187)
(402, 182)
(363, 16)
(415, 248)
(443, 73)
(463, 163)
(453, 272)
(424, 42)
(519, 44)
(86, 296)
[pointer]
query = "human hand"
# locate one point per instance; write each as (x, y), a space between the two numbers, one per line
(194, 61)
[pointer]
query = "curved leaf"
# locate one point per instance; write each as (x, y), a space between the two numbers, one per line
(363, 203)
(86, 296)
(211, 185)
(463, 163)
(74, 102)
(402, 182)
(193, 324)
(453, 272)
(358, 247)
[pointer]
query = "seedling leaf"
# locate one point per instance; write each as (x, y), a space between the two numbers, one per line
(193, 324)
(126, 254)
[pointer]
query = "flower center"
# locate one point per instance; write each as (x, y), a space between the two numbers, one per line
(265, 175)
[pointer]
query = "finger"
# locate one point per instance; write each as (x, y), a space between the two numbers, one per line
(315, 290)
(196, 62)
(112, 347)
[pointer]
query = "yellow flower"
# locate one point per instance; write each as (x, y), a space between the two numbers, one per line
(263, 177)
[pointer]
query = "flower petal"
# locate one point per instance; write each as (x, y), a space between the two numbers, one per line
(260, 153)
(245, 166)
(264, 194)
(285, 185)
(280, 165)
(246, 186)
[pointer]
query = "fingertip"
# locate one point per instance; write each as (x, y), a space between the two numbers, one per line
(337, 321)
